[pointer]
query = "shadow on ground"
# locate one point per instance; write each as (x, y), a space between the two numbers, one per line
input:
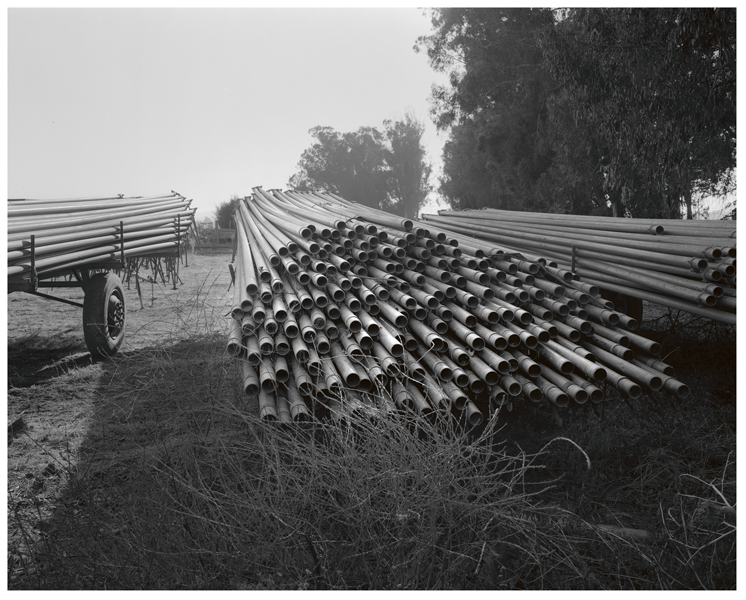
(32, 360)
(111, 526)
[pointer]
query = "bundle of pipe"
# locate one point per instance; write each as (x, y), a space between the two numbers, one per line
(75, 232)
(345, 307)
(687, 265)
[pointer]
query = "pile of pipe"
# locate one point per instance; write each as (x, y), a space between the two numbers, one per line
(683, 264)
(55, 236)
(341, 310)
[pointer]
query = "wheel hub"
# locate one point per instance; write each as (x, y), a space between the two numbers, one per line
(115, 315)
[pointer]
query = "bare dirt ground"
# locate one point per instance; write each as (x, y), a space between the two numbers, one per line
(55, 388)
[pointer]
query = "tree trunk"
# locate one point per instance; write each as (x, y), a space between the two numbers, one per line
(688, 200)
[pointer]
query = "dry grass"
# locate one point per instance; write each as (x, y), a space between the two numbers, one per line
(178, 485)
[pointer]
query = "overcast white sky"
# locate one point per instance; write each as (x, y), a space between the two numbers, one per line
(206, 102)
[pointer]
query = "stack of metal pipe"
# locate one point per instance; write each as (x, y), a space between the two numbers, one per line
(682, 264)
(54, 236)
(351, 311)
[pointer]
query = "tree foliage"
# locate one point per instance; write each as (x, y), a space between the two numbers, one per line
(386, 170)
(349, 164)
(409, 171)
(657, 86)
(223, 213)
(629, 111)
(495, 105)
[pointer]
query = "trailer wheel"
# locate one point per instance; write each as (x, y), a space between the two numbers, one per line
(103, 314)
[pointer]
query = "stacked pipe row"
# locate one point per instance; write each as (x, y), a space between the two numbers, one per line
(340, 306)
(683, 264)
(58, 235)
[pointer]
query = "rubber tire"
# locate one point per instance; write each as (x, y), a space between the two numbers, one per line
(103, 295)
(632, 307)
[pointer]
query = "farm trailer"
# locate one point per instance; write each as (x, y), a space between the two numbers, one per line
(79, 242)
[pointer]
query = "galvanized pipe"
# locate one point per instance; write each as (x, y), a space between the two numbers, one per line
(403, 304)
